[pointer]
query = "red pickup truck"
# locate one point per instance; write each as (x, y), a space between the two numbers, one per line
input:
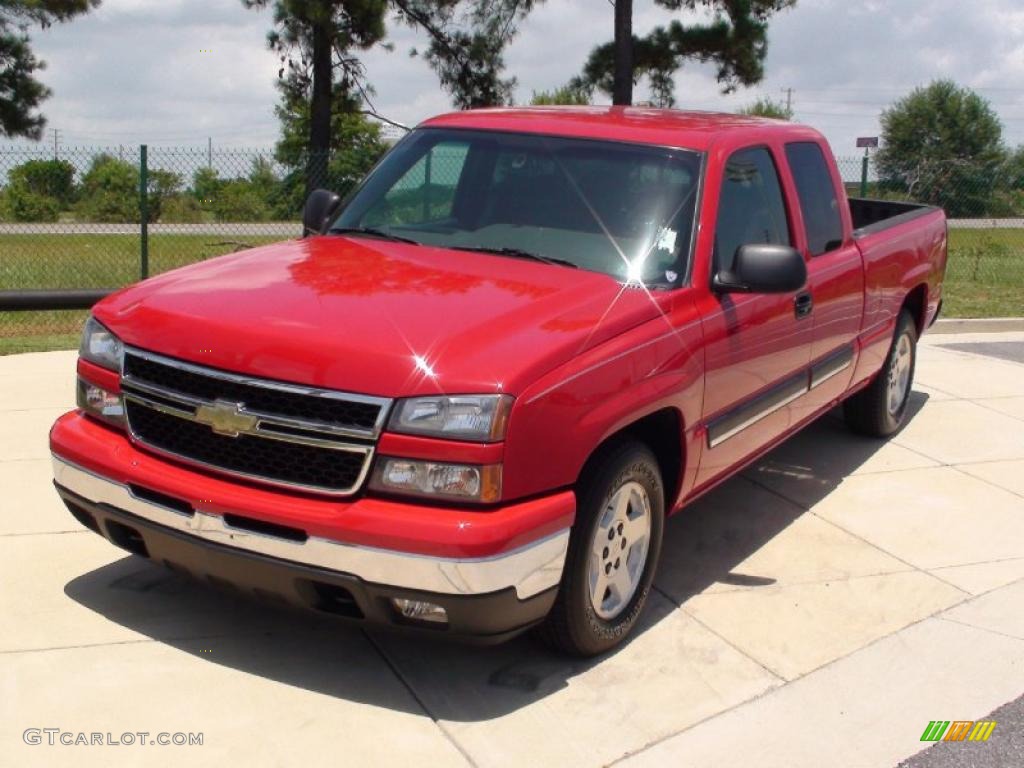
(466, 401)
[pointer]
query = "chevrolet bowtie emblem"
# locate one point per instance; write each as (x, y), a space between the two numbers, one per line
(226, 418)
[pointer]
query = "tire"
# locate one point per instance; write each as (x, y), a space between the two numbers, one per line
(880, 410)
(622, 485)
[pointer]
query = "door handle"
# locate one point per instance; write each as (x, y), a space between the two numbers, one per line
(803, 304)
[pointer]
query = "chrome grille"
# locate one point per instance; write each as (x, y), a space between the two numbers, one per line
(274, 432)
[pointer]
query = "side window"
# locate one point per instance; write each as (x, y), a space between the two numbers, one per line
(426, 192)
(817, 197)
(750, 207)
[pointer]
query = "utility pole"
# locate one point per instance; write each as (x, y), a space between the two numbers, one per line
(209, 152)
(789, 99)
(56, 134)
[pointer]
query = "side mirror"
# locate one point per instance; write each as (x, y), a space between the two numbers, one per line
(320, 207)
(763, 268)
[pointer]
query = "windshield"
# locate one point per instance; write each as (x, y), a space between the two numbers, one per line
(622, 209)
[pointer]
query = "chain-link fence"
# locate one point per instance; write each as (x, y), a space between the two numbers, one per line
(985, 272)
(78, 220)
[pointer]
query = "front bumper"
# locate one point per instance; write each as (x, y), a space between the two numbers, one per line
(493, 571)
(490, 617)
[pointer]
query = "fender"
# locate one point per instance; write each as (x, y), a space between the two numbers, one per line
(559, 422)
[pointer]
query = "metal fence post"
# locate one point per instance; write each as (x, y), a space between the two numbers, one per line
(143, 213)
(864, 175)
(426, 186)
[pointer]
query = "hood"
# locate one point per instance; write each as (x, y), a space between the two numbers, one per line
(376, 317)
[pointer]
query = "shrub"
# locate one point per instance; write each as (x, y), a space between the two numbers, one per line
(206, 185)
(162, 185)
(181, 209)
(239, 200)
(47, 178)
(110, 191)
(22, 204)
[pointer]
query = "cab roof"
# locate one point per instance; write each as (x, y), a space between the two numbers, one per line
(643, 125)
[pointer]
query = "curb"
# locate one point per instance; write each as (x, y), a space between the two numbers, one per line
(979, 325)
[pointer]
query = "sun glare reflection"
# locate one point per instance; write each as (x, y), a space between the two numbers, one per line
(634, 267)
(423, 366)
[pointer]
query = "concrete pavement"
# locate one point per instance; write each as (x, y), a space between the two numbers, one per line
(818, 610)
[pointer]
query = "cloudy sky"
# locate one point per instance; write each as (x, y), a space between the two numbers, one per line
(179, 71)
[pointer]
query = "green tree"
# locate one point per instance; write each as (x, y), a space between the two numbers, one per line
(564, 95)
(206, 185)
(356, 146)
(110, 191)
(467, 43)
(162, 186)
(20, 92)
(766, 107)
(735, 39)
(49, 178)
(1012, 171)
(319, 42)
(263, 178)
(942, 144)
(314, 39)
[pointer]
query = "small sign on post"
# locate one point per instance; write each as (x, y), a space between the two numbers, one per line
(867, 143)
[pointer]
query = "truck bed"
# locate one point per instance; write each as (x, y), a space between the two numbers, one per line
(871, 216)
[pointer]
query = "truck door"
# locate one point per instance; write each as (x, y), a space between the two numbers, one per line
(835, 275)
(757, 346)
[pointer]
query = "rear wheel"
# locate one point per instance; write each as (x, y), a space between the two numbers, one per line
(613, 552)
(881, 409)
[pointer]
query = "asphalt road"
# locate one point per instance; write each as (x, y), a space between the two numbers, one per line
(1004, 350)
(1004, 748)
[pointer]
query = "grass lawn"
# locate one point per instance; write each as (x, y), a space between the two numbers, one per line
(985, 277)
(985, 273)
(88, 261)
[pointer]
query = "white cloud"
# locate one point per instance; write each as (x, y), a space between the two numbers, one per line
(138, 70)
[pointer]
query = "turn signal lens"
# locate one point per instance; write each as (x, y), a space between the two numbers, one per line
(100, 403)
(465, 482)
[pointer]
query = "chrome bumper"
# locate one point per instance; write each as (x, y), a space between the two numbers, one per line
(530, 569)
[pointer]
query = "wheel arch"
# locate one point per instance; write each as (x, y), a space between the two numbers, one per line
(916, 302)
(663, 432)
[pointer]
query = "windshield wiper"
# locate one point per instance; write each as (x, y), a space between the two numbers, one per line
(516, 253)
(371, 231)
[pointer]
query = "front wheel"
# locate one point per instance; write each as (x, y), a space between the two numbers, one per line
(880, 409)
(613, 552)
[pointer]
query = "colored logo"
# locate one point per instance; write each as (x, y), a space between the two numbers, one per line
(958, 730)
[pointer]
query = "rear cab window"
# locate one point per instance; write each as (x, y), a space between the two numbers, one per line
(817, 195)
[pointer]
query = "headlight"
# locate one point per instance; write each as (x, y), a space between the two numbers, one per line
(431, 479)
(100, 346)
(478, 418)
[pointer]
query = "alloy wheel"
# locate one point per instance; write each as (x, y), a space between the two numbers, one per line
(618, 552)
